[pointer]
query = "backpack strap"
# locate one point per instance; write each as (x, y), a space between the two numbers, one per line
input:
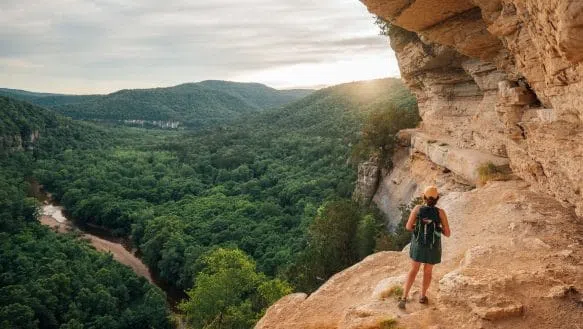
(418, 227)
(438, 219)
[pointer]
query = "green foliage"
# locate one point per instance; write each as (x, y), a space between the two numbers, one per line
(254, 185)
(381, 127)
(399, 36)
(27, 127)
(229, 292)
(490, 172)
(332, 236)
(196, 203)
(341, 234)
(366, 231)
(395, 291)
(54, 281)
(384, 25)
(389, 323)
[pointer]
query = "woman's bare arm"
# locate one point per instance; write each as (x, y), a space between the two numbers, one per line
(412, 218)
(444, 223)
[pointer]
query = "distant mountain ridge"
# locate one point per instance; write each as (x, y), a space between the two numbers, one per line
(193, 104)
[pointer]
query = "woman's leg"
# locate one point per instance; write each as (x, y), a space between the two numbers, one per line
(411, 277)
(427, 273)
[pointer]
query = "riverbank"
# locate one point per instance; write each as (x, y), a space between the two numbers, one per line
(53, 216)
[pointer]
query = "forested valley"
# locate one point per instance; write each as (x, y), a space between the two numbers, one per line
(235, 213)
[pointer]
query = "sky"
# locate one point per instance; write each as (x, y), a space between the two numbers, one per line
(100, 46)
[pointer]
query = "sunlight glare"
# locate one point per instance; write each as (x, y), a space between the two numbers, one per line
(364, 67)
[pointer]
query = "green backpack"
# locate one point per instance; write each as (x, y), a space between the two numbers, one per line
(427, 231)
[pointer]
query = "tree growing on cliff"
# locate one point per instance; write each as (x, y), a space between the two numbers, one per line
(229, 292)
(383, 25)
(341, 234)
(379, 132)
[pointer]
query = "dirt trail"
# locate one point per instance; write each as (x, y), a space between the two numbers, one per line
(52, 217)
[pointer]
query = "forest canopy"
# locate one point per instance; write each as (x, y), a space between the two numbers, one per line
(58, 281)
(264, 200)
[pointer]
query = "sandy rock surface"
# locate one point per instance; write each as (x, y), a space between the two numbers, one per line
(513, 261)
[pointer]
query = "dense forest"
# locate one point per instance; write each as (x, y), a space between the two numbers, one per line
(58, 281)
(195, 105)
(263, 202)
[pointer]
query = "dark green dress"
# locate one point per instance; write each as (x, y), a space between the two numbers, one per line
(426, 239)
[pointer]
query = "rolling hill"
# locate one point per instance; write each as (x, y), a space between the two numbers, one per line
(24, 126)
(192, 104)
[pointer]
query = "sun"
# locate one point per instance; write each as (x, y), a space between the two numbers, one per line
(355, 68)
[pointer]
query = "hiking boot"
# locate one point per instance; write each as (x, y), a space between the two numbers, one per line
(423, 300)
(402, 303)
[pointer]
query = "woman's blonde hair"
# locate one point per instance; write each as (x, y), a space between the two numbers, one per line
(430, 201)
(430, 195)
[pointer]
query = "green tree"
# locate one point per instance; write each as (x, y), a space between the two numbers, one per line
(225, 289)
(379, 132)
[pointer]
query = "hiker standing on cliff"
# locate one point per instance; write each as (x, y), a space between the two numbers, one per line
(427, 222)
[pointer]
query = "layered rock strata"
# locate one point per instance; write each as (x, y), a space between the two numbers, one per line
(500, 77)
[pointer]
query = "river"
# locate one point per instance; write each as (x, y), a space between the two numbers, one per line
(54, 216)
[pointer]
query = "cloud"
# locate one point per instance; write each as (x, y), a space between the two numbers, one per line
(143, 43)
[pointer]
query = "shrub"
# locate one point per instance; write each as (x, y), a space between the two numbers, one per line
(384, 25)
(395, 291)
(490, 172)
(389, 323)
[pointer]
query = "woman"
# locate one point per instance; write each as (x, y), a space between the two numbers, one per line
(427, 222)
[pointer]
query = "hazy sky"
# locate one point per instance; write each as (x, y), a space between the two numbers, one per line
(99, 46)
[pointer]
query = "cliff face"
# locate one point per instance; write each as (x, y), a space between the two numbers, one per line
(19, 142)
(498, 84)
(368, 180)
(500, 77)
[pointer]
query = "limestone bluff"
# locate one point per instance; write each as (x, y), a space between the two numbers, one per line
(502, 77)
(500, 82)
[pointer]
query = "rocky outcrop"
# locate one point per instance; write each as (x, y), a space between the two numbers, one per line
(463, 162)
(368, 181)
(518, 267)
(500, 77)
(20, 142)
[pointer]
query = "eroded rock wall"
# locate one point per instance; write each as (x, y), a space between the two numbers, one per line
(368, 181)
(502, 77)
(13, 143)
